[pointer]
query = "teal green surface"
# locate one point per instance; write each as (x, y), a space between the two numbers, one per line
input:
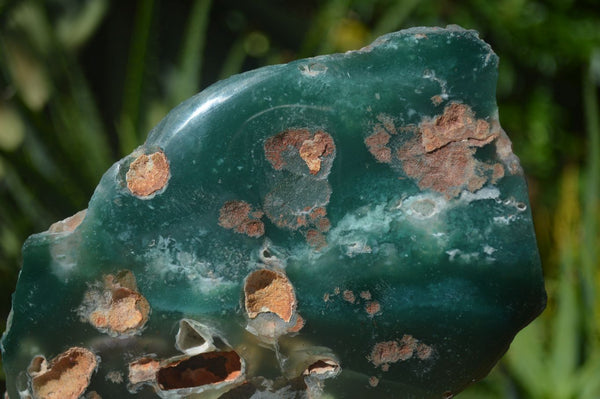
(463, 281)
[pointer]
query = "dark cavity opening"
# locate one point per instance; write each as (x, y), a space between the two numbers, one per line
(202, 369)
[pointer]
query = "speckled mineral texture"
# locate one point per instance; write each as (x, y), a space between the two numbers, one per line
(352, 225)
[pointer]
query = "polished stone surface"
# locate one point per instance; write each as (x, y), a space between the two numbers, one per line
(346, 226)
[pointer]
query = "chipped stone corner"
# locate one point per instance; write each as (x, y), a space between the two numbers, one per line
(68, 225)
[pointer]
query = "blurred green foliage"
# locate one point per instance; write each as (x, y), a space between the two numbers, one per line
(83, 81)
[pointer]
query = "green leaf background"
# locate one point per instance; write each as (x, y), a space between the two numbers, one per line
(83, 81)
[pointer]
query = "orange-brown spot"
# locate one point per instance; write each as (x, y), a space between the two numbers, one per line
(377, 146)
(313, 150)
(143, 370)
(269, 291)
(315, 239)
(447, 170)
(318, 213)
(437, 99)
(67, 376)
(366, 295)
(348, 296)
(424, 352)
(440, 155)
(119, 308)
(123, 314)
(199, 370)
(497, 172)
(238, 216)
(323, 225)
(373, 307)
(456, 124)
(286, 141)
(301, 220)
(148, 174)
(384, 353)
(69, 224)
(373, 381)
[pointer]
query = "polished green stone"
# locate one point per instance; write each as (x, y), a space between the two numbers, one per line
(373, 194)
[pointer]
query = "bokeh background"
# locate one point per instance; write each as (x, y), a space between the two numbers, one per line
(83, 81)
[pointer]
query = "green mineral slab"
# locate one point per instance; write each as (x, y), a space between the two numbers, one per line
(347, 226)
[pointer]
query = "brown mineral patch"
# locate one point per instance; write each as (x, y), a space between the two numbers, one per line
(373, 307)
(437, 99)
(318, 213)
(275, 146)
(373, 381)
(497, 172)
(117, 309)
(254, 228)
(447, 170)
(321, 367)
(313, 150)
(326, 297)
(366, 295)
(457, 123)
(203, 369)
(69, 224)
(123, 314)
(148, 174)
(408, 345)
(269, 291)
(67, 376)
(92, 395)
(385, 367)
(424, 352)
(323, 225)
(384, 353)
(233, 214)
(377, 146)
(301, 221)
(440, 155)
(315, 239)
(348, 296)
(143, 370)
(238, 215)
